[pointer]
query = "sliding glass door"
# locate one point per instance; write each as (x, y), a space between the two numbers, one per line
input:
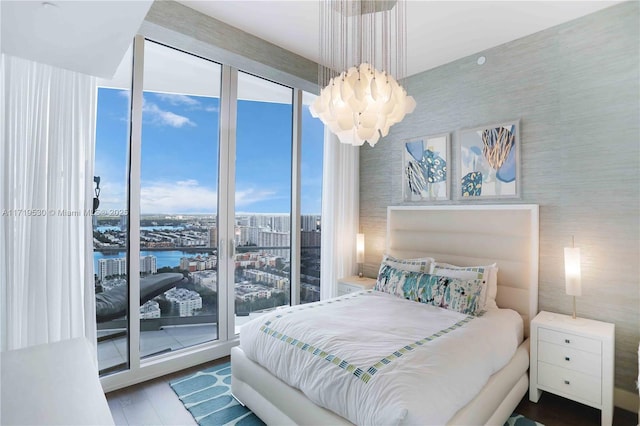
(178, 200)
(262, 225)
(110, 234)
(200, 173)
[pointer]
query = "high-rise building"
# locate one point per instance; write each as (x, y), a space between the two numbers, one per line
(111, 267)
(148, 264)
(118, 266)
(213, 237)
(310, 222)
(272, 240)
(281, 223)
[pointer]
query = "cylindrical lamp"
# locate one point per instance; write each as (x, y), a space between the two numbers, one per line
(360, 252)
(572, 274)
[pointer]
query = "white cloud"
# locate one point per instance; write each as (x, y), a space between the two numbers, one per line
(246, 197)
(186, 196)
(176, 99)
(162, 117)
(212, 109)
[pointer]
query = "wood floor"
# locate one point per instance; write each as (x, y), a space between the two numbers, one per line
(154, 403)
(552, 410)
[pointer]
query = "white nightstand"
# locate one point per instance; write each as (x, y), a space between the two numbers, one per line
(350, 284)
(573, 359)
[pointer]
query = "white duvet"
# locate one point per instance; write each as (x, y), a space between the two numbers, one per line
(376, 359)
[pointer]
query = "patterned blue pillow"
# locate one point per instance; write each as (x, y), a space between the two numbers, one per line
(459, 295)
(390, 280)
(464, 296)
(391, 272)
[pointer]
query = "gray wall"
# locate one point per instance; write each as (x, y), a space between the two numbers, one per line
(575, 89)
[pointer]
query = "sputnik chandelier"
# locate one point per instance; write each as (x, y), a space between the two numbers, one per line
(361, 99)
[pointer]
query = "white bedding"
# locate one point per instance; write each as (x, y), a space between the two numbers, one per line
(340, 353)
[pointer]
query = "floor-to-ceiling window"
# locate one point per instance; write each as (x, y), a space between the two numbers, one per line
(199, 239)
(178, 200)
(310, 202)
(262, 225)
(110, 219)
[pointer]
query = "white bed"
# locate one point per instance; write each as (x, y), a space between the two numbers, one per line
(461, 235)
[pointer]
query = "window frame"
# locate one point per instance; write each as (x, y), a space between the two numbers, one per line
(144, 369)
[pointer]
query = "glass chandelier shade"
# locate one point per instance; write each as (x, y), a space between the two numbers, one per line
(359, 103)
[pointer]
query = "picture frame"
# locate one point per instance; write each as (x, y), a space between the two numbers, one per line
(489, 161)
(425, 168)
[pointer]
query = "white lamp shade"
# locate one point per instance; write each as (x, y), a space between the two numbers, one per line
(360, 248)
(572, 271)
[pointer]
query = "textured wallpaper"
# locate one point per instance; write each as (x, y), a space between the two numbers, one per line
(575, 89)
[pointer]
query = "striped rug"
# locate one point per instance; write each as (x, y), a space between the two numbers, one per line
(207, 396)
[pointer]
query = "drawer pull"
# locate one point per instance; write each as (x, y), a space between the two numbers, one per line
(566, 382)
(567, 341)
(566, 358)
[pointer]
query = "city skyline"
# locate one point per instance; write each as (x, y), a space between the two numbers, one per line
(179, 131)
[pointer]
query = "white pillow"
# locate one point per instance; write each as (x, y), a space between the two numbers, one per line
(488, 273)
(421, 264)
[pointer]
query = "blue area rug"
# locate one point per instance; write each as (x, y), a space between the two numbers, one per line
(207, 396)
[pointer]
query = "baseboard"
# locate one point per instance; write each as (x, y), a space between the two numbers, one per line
(626, 400)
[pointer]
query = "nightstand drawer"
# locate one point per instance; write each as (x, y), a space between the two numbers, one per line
(566, 357)
(352, 284)
(345, 288)
(570, 382)
(570, 340)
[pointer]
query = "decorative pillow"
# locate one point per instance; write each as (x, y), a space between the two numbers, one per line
(488, 273)
(390, 280)
(390, 272)
(455, 294)
(421, 264)
(464, 296)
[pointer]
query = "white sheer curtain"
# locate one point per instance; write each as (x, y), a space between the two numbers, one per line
(340, 213)
(46, 185)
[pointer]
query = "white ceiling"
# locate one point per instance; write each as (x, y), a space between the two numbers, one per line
(90, 37)
(438, 32)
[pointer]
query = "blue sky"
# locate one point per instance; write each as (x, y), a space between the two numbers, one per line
(180, 148)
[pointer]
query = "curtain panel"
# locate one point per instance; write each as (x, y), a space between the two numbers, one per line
(340, 213)
(46, 193)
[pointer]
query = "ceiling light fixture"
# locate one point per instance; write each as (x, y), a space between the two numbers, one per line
(361, 99)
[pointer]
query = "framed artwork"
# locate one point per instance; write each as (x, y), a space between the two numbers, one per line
(426, 169)
(489, 161)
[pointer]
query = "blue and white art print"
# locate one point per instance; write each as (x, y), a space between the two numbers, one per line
(426, 168)
(489, 161)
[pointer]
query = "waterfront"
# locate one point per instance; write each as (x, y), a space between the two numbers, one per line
(170, 258)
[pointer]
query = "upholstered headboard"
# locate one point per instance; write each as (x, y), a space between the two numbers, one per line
(469, 235)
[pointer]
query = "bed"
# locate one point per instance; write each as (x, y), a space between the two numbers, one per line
(458, 235)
